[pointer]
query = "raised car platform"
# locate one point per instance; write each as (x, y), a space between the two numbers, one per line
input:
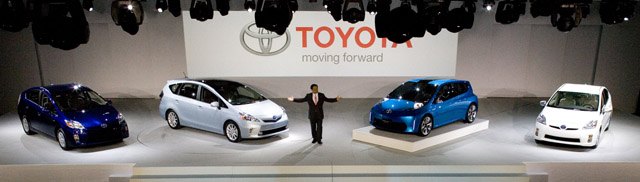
(412, 142)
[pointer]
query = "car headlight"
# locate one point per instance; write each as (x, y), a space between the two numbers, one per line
(541, 119)
(74, 124)
(120, 117)
(591, 124)
(417, 105)
(248, 117)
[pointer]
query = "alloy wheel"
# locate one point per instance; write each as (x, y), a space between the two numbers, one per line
(61, 139)
(172, 119)
(426, 126)
(232, 132)
(472, 112)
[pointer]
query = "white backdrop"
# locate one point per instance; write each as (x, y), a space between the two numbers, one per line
(318, 47)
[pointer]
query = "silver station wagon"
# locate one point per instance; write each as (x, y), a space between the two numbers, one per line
(223, 107)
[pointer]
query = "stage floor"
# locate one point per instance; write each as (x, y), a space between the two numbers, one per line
(508, 140)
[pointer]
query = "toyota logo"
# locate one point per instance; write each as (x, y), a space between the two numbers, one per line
(564, 127)
(276, 117)
(388, 111)
(263, 42)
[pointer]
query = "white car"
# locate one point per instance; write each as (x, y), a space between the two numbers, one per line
(576, 114)
(220, 106)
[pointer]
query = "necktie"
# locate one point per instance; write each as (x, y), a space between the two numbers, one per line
(315, 99)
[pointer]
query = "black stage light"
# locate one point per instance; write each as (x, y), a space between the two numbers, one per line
(13, 15)
(249, 5)
(371, 7)
(382, 18)
(569, 15)
(616, 11)
(509, 11)
(461, 18)
(353, 11)
(162, 5)
(174, 8)
(59, 23)
(201, 10)
(274, 15)
(87, 5)
(488, 4)
(293, 5)
(433, 14)
(403, 22)
(544, 7)
(334, 7)
(128, 14)
(223, 7)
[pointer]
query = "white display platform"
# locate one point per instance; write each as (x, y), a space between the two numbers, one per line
(412, 142)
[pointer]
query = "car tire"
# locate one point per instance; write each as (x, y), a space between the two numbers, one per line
(62, 140)
(232, 132)
(471, 113)
(173, 120)
(425, 126)
(26, 126)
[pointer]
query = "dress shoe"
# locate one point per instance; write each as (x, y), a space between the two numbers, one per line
(314, 141)
(320, 142)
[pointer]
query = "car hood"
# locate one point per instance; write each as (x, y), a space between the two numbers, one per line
(264, 110)
(568, 117)
(395, 105)
(94, 117)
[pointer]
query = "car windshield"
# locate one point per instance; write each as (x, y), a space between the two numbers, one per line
(235, 93)
(78, 99)
(574, 101)
(413, 91)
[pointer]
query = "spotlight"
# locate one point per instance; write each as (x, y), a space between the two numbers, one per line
(461, 18)
(334, 7)
(201, 10)
(128, 14)
(371, 7)
(433, 14)
(383, 18)
(488, 4)
(223, 7)
(174, 8)
(59, 23)
(569, 15)
(249, 5)
(13, 15)
(274, 15)
(509, 11)
(353, 11)
(543, 7)
(616, 11)
(398, 25)
(87, 5)
(162, 5)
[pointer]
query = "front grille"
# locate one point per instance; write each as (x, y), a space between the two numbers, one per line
(103, 134)
(269, 121)
(268, 132)
(576, 140)
(389, 125)
(557, 127)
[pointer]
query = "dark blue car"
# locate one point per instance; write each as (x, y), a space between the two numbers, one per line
(73, 114)
(418, 106)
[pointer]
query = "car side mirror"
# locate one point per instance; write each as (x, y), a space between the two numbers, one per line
(215, 104)
(543, 103)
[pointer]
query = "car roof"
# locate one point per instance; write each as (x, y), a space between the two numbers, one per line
(436, 81)
(61, 87)
(583, 88)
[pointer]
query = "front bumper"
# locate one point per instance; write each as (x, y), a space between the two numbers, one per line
(575, 136)
(98, 135)
(404, 124)
(265, 129)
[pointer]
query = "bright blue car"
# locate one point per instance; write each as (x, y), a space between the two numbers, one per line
(418, 106)
(74, 115)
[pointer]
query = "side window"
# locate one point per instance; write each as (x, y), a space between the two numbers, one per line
(34, 95)
(45, 101)
(174, 88)
(207, 96)
(189, 90)
(445, 93)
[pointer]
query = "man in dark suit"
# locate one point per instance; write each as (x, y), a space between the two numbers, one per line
(315, 100)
